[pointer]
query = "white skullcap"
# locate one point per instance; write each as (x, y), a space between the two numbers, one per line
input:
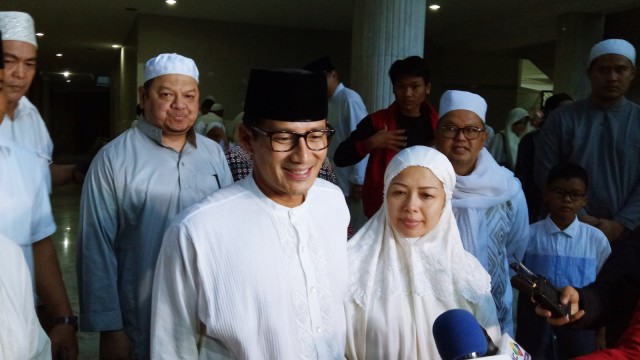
(214, 124)
(164, 64)
(613, 46)
(217, 107)
(462, 100)
(18, 26)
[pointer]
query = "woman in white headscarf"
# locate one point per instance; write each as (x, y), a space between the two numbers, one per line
(504, 145)
(408, 266)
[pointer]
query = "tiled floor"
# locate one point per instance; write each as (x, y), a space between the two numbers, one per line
(65, 202)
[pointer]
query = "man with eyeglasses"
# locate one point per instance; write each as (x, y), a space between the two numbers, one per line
(258, 270)
(488, 201)
(566, 252)
(410, 120)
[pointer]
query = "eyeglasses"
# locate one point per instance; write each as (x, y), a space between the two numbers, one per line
(469, 132)
(573, 195)
(283, 140)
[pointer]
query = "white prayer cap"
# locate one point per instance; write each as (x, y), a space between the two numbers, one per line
(217, 107)
(613, 46)
(462, 100)
(214, 124)
(164, 64)
(16, 25)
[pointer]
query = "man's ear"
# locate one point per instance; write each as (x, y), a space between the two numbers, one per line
(546, 195)
(141, 96)
(244, 138)
(428, 88)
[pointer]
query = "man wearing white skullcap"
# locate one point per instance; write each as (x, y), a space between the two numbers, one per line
(135, 186)
(23, 123)
(602, 134)
(488, 201)
(27, 217)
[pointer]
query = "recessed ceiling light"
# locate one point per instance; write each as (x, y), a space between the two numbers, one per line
(39, 34)
(116, 46)
(59, 54)
(170, 2)
(434, 7)
(65, 74)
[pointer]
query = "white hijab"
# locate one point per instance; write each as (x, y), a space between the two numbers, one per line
(379, 266)
(487, 186)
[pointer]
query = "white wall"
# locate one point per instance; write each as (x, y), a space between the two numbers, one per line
(495, 78)
(225, 53)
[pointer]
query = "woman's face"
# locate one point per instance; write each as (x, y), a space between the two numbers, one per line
(520, 126)
(415, 200)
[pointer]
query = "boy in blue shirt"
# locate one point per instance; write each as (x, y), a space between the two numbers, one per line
(567, 252)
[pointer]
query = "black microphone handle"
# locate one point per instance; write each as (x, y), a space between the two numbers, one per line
(492, 348)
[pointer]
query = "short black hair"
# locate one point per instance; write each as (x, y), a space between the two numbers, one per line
(322, 64)
(207, 104)
(553, 102)
(567, 170)
(413, 65)
(147, 85)
(1, 52)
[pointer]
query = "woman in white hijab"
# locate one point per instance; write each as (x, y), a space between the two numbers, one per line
(408, 266)
(504, 145)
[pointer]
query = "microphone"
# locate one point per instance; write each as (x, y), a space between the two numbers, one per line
(458, 336)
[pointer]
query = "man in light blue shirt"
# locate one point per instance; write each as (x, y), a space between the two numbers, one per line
(135, 186)
(345, 111)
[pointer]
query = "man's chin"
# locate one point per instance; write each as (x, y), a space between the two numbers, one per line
(14, 97)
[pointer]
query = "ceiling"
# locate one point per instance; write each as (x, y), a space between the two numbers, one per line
(84, 30)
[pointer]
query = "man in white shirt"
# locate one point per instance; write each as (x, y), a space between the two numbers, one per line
(345, 112)
(26, 219)
(22, 122)
(208, 116)
(21, 336)
(258, 270)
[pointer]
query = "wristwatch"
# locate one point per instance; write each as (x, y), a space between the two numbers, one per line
(67, 320)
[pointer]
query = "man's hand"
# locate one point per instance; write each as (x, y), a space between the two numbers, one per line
(115, 345)
(63, 341)
(384, 139)
(611, 228)
(570, 296)
(591, 220)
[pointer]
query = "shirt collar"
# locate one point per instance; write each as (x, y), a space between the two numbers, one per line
(338, 89)
(155, 133)
(620, 104)
(572, 230)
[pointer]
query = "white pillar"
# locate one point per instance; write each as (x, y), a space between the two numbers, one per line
(576, 34)
(383, 32)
